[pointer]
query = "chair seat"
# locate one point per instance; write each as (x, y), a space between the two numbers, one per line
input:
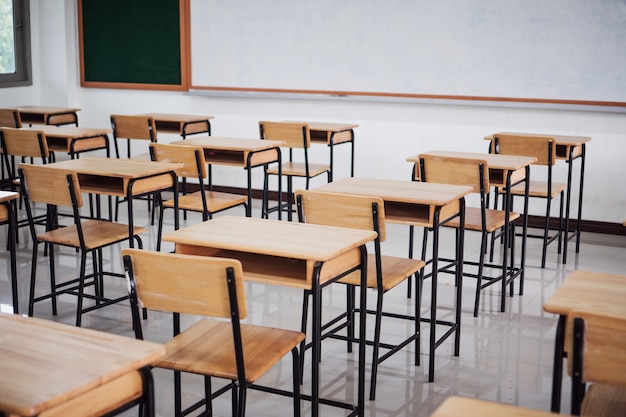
(97, 233)
(539, 189)
(494, 218)
(298, 169)
(604, 401)
(394, 271)
(207, 348)
(215, 201)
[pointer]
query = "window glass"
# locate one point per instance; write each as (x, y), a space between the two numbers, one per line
(15, 60)
(7, 38)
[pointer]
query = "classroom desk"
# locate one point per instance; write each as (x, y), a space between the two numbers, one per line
(568, 149)
(504, 171)
(592, 291)
(8, 211)
(246, 153)
(422, 204)
(332, 134)
(48, 115)
(45, 364)
(297, 255)
(75, 140)
(181, 124)
(126, 178)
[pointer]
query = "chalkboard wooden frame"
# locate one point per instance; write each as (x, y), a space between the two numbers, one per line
(134, 45)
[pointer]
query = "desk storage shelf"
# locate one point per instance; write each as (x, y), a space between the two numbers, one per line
(278, 270)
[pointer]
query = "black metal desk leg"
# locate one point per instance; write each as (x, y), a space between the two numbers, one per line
(557, 371)
(433, 301)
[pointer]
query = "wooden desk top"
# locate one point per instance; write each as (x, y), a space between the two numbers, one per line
(400, 191)
(71, 132)
(497, 161)
(584, 290)
(230, 144)
(471, 407)
(8, 196)
(272, 237)
(567, 140)
(182, 118)
(46, 110)
(44, 363)
(117, 168)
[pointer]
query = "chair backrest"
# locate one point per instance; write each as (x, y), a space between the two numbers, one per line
(541, 147)
(49, 185)
(192, 158)
(294, 134)
(133, 127)
(25, 142)
(456, 171)
(10, 118)
(343, 210)
(186, 284)
(600, 354)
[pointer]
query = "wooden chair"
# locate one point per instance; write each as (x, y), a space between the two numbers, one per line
(228, 349)
(544, 149)
(54, 187)
(296, 136)
(130, 128)
(383, 272)
(24, 144)
(8, 217)
(598, 356)
(474, 173)
(205, 201)
(8, 118)
(142, 128)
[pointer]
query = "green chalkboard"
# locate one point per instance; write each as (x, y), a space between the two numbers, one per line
(131, 41)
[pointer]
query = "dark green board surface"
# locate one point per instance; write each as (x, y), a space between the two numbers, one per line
(132, 41)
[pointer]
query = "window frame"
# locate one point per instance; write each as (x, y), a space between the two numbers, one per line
(23, 63)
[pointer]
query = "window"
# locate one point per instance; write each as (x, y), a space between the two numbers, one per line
(15, 62)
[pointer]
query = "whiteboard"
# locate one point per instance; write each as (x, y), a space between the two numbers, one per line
(546, 49)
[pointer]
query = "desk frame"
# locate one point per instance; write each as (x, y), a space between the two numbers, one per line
(291, 266)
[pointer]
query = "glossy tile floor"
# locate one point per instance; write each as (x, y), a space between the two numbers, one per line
(506, 357)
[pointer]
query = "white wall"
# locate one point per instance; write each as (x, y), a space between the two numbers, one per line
(388, 133)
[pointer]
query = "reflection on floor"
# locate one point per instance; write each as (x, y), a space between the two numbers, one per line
(506, 357)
